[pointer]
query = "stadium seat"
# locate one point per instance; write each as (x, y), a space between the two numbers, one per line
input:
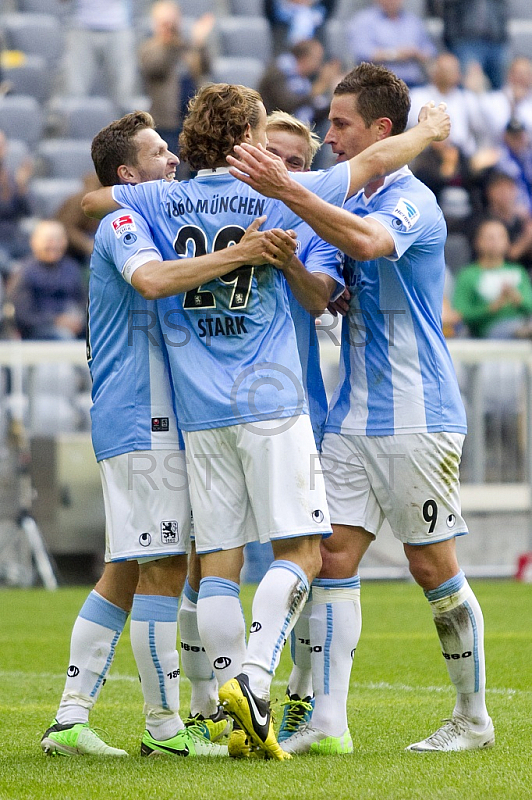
(81, 117)
(32, 77)
(346, 8)
(246, 37)
(65, 158)
(56, 7)
(246, 71)
(247, 7)
(195, 8)
(34, 34)
(457, 251)
(520, 9)
(335, 41)
(520, 38)
(47, 194)
(17, 151)
(21, 118)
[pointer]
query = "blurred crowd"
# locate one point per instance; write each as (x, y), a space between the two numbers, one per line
(456, 51)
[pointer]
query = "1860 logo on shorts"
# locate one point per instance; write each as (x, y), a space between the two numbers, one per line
(169, 531)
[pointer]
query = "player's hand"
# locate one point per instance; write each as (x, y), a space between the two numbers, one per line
(341, 304)
(437, 118)
(260, 169)
(273, 246)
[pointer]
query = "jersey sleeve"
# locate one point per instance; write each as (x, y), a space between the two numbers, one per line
(331, 185)
(126, 237)
(144, 198)
(320, 256)
(409, 215)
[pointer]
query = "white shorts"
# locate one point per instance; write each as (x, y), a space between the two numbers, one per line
(410, 479)
(147, 505)
(247, 486)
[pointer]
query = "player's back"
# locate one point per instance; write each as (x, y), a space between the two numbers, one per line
(132, 400)
(397, 374)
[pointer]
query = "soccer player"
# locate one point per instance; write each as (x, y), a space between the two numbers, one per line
(395, 429)
(296, 145)
(142, 463)
(237, 382)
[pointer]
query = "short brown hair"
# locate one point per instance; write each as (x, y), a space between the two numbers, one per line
(282, 121)
(379, 93)
(216, 121)
(114, 145)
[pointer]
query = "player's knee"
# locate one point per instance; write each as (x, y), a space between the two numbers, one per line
(424, 573)
(337, 564)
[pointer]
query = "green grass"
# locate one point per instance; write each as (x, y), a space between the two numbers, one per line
(399, 693)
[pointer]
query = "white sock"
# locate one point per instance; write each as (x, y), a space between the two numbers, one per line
(95, 633)
(335, 625)
(221, 626)
(300, 681)
(194, 660)
(278, 601)
(153, 640)
(460, 625)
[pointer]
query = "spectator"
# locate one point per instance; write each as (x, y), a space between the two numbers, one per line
(493, 295)
(300, 83)
(514, 100)
(476, 31)
(14, 207)
(172, 68)
(102, 34)
(79, 228)
(502, 203)
(294, 21)
(468, 128)
(515, 159)
(48, 292)
(387, 34)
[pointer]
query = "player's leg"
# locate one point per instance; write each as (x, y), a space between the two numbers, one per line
(95, 634)
(204, 705)
(421, 501)
(460, 627)
(299, 700)
(292, 513)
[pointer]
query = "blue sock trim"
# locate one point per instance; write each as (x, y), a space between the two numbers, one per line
(451, 586)
(289, 565)
(99, 610)
(337, 583)
(214, 587)
(105, 670)
(154, 608)
(157, 663)
(327, 649)
(190, 593)
(475, 645)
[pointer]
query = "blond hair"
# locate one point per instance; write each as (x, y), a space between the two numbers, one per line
(282, 121)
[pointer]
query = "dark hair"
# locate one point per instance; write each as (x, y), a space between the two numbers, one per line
(216, 121)
(114, 145)
(379, 93)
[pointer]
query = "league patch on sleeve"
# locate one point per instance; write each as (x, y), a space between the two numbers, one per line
(406, 214)
(124, 224)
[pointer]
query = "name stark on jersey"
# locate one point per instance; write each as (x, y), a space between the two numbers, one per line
(237, 204)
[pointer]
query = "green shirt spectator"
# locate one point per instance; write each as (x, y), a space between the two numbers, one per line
(493, 296)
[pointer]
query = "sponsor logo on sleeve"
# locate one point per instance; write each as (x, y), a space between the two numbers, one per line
(123, 224)
(406, 214)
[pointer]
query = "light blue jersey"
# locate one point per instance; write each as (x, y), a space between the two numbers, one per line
(396, 374)
(132, 399)
(231, 343)
(317, 256)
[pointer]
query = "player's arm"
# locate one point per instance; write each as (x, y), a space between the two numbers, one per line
(99, 203)
(156, 279)
(312, 290)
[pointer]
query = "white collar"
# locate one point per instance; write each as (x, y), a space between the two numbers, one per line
(391, 178)
(208, 172)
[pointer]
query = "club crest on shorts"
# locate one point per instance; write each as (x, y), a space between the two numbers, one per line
(169, 531)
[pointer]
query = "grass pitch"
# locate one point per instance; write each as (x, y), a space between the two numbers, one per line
(399, 694)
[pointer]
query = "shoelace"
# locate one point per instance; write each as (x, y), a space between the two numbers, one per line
(450, 728)
(295, 713)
